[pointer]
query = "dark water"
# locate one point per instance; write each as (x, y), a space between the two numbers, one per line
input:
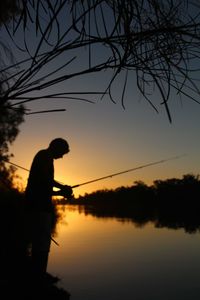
(114, 259)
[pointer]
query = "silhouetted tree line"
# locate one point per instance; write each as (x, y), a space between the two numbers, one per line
(172, 203)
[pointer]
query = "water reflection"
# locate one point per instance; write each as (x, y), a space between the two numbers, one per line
(172, 203)
(162, 215)
(104, 257)
(103, 242)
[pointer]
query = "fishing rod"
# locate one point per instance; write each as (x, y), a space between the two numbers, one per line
(130, 170)
(113, 174)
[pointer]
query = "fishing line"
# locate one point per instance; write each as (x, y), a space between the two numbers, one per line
(18, 166)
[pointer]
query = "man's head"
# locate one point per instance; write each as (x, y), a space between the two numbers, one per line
(58, 147)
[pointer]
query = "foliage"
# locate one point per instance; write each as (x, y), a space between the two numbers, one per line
(168, 189)
(157, 40)
(8, 8)
(10, 119)
(172, 203)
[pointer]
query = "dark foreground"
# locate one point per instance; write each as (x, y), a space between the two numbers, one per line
(22, 283)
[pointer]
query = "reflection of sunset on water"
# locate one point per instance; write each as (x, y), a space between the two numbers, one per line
(96, 255)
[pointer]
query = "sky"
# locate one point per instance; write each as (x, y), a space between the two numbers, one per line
(106, 138)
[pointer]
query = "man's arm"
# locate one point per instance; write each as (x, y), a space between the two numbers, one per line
(58, 184)
(64, 190)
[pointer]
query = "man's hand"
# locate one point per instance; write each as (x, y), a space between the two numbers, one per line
(67, 192)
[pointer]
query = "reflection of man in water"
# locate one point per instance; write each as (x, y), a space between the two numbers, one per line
(39, 193)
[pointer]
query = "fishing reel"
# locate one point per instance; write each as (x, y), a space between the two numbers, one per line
(67, 192)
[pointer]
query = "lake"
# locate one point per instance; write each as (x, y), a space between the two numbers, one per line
(114, 259)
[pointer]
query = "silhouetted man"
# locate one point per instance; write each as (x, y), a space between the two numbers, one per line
(39, 192)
